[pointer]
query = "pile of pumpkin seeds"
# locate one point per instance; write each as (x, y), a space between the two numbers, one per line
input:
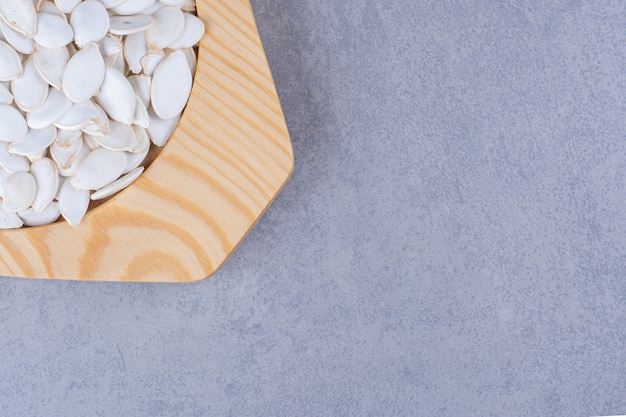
(86, 88)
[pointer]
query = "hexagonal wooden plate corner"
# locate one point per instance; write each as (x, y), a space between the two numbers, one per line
(227, 160)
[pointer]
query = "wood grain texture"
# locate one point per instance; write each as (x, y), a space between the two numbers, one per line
(228, 158)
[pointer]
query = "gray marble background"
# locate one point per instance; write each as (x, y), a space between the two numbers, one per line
(452, 242)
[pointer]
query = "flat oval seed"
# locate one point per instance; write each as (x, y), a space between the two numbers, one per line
(18, 41)
(99, 125)
(168, 98)
(20, 190)
(141, 86)
(10, 63)
(192, 33)
(46, 177)
(132, 7)
(20, 15)
(9, 220)
(51, 63)
(35, 141)
(169, 23)
(134, 50)
(111, 45)
(125, 25)
(135, 159)
(117, 185)
(117, 97)
(10, 162)
(78, 116)
(73, 203)
(99, 168)
(12, 124)
(5, 95)
(30, 90)
(84, 74)
(55, 106)
(66, 6)
(141, 117)
(120, 138)
(53, 31)
(109, 4)
(90, 22)
(151, 61)
(160, 130)
(48, 215)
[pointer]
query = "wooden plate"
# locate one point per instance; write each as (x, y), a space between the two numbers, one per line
(228, 158)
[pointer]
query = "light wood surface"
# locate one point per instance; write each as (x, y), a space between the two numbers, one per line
(229, 157)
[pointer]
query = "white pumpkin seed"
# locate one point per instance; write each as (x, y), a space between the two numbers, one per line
(192, 33)
(109, 4)
(90, 22)
(142, 140)
(78, 116)
(46, 176)
(134, 50)
(126, 25)
(19, 192)
(65, 154)
(135, 159)
(141, 117)
(66, 6)
(111, 45)
(101, 167)
(169, 23)
(5, 95)
(117, 97)
(117, 185)
(84, 73)
(17, 40)
(9, 220)
(64, 137)
(48, 6)
(99, 125)
(51, 63)
(120, 138)
(13, 126)
(53, 31)
(141, 86)
(192, 59)
(132, 7)
(30, 91)
(119, 63)
(10, 63)
(20, 15)
(151, 61)
(12, 163)
(168, 99)
(55, 107)
(160, 130)
(73, 203)
(37, 140)
(48, 215)
(72, 166)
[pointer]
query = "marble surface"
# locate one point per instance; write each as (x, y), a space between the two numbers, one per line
(452, 242)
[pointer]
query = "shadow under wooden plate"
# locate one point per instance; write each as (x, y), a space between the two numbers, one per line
(227, 160)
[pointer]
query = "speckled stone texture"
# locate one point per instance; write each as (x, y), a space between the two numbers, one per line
(452, 242)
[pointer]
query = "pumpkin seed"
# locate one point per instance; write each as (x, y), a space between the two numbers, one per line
(169, 23)
(53, 31)
(18, 41)
(168, 99)
(20, 15)
(48, 215)
(126, 25)
(51, 63)
(90, 22)
(99, 168)
(10, 63)
(19, 192)
(117, 97)
(117, 185)
(55, 106)
(73, 203)
(83, 74)
(37, 140)
(30, 91)
(46, 176)
(13, 126)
